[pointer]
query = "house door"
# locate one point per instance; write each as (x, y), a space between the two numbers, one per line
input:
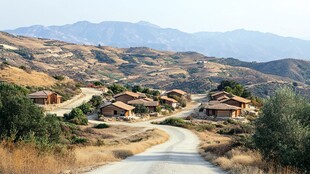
(115, 112)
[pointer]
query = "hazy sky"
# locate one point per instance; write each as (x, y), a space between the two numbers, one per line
(283, 17)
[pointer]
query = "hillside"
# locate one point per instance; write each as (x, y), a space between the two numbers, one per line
(190, 71)
(242, 44)
(25, 78)
(295, 69)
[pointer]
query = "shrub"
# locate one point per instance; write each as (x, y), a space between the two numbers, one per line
(173, 121)
(116, 88)
(168, 107)
(203, 127)
(21, 119)
(78, 140)
(282, 134)
(141, 109)
(76, 116)
(96, 100)
(86, 108)
(59, 77)
(102, 126)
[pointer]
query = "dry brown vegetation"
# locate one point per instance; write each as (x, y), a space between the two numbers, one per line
(98, 147)
(231, 150)
(26, 78)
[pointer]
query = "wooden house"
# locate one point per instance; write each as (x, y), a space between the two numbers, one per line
(45, 97)
(218, 95)
(169, 101)
(218, 109)
(176, 92)
(237, 101)
(117, 109)
(127, 96)
(151, 105)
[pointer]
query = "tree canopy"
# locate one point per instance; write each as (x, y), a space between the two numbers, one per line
(20, 118)
(234, 88)
(283, 130)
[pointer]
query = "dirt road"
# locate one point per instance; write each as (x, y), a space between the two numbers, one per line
(87, 95)
(176, 156)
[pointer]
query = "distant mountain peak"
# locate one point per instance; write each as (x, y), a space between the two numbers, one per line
(145, 23)
(242, 44)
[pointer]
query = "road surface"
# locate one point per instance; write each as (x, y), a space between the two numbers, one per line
(88, 93)
(176, 156)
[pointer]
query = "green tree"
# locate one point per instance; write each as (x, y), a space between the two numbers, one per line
(283, 130)
(96, 100)
(21, 118)
(76, 116)
(86, 108)
(233, 87)
(137, 88)
(141, 109)
(116, 88)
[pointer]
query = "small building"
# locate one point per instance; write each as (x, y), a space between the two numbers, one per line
(127, 96)
(45, 97)
(117, 109)
(219, 109)
(169, 101)
(218, 95)
(238, 101)
(151, 105)
(176, 92)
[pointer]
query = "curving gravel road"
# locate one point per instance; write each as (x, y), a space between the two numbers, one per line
(176, 156)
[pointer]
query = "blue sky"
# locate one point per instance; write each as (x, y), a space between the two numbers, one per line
(283, 17)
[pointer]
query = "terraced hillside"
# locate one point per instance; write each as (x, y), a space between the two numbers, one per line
(190, 71)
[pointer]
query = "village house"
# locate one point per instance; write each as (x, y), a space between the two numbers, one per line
(218, 109)
(127, 96)
(169, 101)
(237, 101)
(117, 109)
(45, 97)
(151, 105)
(219, 95)
(176, 92)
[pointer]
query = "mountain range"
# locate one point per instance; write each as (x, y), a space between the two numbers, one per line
(242, 44)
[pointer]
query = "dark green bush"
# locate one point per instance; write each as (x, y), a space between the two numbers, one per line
(173, 121)
(96, 101)
(86, 108)
(102, 126)
(20, 118)
(76, 116)
(141, 109)
(59, 77)
(78, 140)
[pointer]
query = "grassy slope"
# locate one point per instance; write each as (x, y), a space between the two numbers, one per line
(158, 69)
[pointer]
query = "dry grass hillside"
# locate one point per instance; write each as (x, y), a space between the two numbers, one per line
(190, 71)
(26, 78)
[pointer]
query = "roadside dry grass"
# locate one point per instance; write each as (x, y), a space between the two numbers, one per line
(221, 150)
(98, 147)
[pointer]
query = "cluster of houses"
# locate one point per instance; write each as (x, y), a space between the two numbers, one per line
(224, 104)
(125, 102)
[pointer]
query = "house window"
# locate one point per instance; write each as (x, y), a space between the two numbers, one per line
(115, 112)
(122, 113)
